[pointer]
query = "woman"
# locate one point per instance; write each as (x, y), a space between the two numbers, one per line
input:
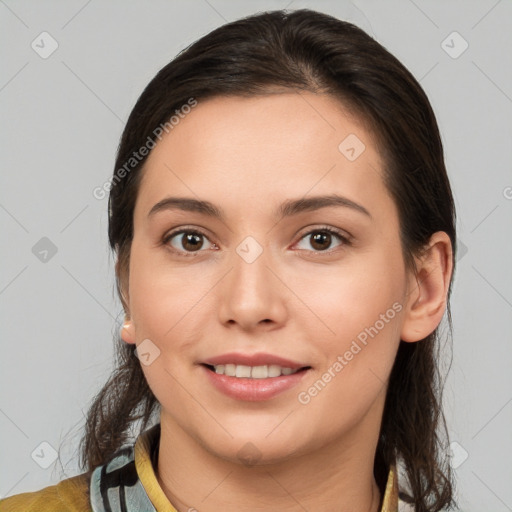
(285, 232)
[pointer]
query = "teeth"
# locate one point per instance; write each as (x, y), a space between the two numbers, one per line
(253, 372)
(229, 370)
(242, 371)
(259, 372)
(274, 370)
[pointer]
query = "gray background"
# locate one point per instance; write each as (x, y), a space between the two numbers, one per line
(61, 121)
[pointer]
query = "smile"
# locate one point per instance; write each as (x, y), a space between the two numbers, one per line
(243, 382)
(252, 372)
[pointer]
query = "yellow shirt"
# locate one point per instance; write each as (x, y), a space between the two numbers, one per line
(74, 494)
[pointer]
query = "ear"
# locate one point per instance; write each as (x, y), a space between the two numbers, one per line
(127, 331)
(428, 289)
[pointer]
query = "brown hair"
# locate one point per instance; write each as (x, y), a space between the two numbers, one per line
(303, 50)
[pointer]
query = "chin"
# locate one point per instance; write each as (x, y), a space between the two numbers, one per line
(256, 453)
(254, 448)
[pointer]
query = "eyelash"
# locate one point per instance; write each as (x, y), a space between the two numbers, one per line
(343, 238)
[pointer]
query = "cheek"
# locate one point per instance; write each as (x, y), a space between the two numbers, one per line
(364, 339)
(363, 312)
(163, 303)
(160, 298)
(355, 361)
(354, 296)
(170, 306)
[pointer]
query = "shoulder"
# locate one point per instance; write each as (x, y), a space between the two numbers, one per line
(70, 495)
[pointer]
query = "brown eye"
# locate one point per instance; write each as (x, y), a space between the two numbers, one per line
(319, 240)
(192, 242)
(188, 241)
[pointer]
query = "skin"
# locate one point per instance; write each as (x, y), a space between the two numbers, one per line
(247, 156)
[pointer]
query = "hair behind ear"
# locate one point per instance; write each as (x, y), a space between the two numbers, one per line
(122, 270)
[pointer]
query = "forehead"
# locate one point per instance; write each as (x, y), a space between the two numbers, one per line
(253, 151)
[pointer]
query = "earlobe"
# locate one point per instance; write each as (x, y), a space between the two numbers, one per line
(127, 332)
(429, 287)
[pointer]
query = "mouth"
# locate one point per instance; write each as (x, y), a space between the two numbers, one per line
(240, 371)
(234, 376)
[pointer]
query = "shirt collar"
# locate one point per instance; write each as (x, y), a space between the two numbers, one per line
(128, 483)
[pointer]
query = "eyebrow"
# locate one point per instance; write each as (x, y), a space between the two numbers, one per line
(286, 209)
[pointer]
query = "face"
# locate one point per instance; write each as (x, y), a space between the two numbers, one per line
(301, 298)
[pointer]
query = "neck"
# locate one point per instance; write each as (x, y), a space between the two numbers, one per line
(337, 477)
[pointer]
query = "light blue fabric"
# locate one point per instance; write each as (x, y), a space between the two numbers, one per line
(116, 487)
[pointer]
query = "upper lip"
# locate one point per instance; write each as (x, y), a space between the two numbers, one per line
(260, 359)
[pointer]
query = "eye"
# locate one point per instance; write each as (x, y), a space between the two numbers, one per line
(320, 239)
(188, 241)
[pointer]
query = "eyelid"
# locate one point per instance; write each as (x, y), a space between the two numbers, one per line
(344, 237)
(182, 230)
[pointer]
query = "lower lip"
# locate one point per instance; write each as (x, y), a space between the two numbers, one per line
(254, 390)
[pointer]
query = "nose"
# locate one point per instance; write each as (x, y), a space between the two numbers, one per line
(250, 295)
